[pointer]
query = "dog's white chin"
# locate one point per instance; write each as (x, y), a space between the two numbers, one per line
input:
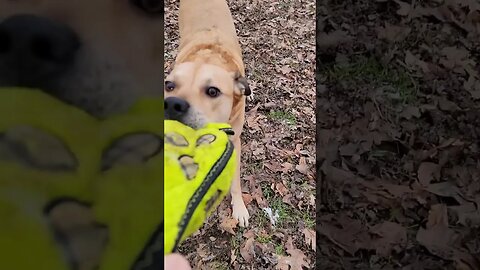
(195, 121)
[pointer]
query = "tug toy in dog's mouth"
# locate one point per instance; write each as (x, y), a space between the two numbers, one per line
(81, 193)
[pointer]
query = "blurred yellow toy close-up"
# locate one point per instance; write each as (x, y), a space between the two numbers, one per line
(78, 192)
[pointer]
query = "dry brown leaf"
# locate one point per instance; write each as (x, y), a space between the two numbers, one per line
(332, 39)
(273, 166)
(405, 8)
(393, 33)
(233, 256)
(281, 189)
(457, 59)
(472, 85)
(285, 70)
(302, 166)
(249, 234)
(247, 198)
(427, 171)
(247, 250)
(437, 216)
(201, 251)
(440, 240)
(287, 167)
(228, 224)
(468, 214)
(447, 105)
(296, 260)
(409, 112)
(299, 257)
(392, 236)
(310, 237)
(446, 189)
(351, 237)
(258, 196)
(283, 262)
(348, 149)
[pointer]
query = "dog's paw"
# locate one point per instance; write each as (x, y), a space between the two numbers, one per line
(240, 213)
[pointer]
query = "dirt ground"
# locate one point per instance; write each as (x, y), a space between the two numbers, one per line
(278, 174)
(398, 108)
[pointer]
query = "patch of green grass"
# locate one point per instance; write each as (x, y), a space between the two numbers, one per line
(237, 240)
(267, 191)
(372, 72)
(286, 213)
(264, 239)
(283, 210)
(254, 167)
(261, 219)
(279, 249)
(308, 219)
(283, 116)
(218, 265)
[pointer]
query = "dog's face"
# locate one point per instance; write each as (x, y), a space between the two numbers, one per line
(197, 93)
(97, 55)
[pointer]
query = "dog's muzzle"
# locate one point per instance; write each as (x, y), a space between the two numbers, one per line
(176, 108)
(34, 50)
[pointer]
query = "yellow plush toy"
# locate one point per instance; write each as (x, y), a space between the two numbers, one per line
(199, 167)
(82, 193)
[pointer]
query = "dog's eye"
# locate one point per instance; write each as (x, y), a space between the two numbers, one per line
(169, 86)
(152, 7)
(213, 92)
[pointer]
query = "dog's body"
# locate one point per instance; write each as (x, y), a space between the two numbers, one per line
(207, 82)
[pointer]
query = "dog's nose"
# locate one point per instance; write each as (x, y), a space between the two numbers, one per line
(176, 107)
(34, 49)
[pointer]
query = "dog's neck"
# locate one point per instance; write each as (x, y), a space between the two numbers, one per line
(210, 47)
(208, 54)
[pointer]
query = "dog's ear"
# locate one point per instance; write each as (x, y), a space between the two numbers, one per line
(241, 85)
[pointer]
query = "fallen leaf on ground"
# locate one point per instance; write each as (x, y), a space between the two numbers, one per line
(296, 260)
(427, 171)
(228, 224)
(247, 250)
(472, 85)
(392, 236)
(302, 166)
(440, 240)
(447, 105)
(310, 238)
(393, 33)
(332, 39)
(446, 189)
(281, 189)
(468, 214)
(405, 8)
(351, 237)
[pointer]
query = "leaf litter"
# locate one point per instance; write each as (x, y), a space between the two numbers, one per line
(398, 134)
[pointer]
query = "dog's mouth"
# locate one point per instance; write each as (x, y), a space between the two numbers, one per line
(186, 120)
(180, 110)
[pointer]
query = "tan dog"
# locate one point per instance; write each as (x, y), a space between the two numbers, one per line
(207, 82)
(98, 55)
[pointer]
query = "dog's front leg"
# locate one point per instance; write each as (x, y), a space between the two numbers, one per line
(240, 211)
